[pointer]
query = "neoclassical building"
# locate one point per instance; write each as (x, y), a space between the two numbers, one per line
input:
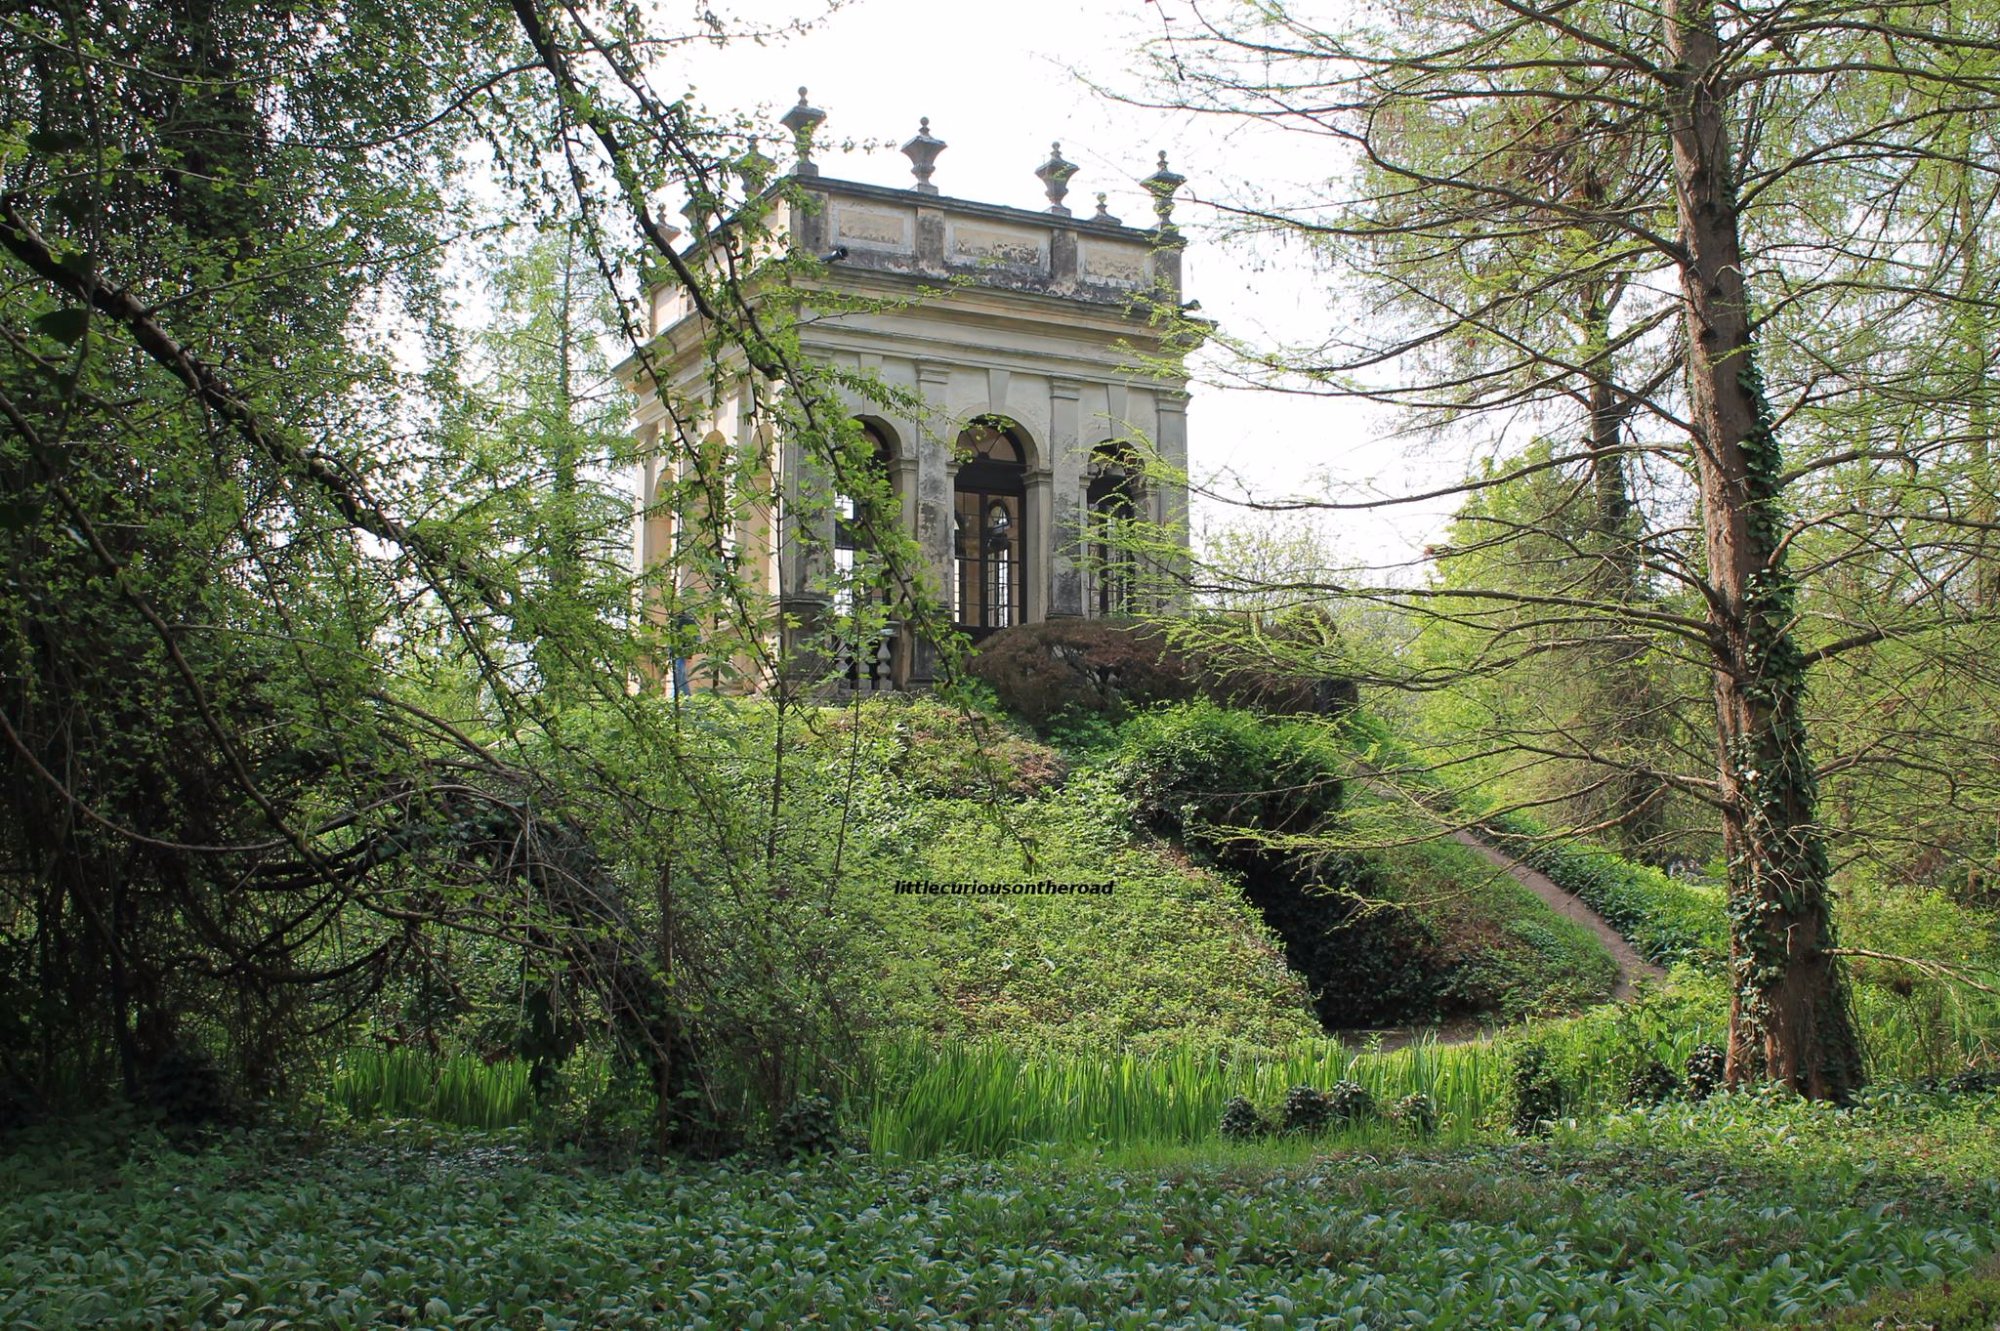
(1041, 400)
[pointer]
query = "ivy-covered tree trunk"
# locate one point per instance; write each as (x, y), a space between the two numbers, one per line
(1789, 1016)
(1627, 727)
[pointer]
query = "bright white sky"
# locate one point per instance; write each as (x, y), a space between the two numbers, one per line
(1001, 81)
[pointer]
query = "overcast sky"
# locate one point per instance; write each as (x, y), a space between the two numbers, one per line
(999, 82)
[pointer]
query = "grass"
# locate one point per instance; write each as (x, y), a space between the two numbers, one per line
(1174, 954)
(1738, 1212)
(1669, 921)
(989, 1100)
(1501, 951)
(921, 1098)
(460, 1091)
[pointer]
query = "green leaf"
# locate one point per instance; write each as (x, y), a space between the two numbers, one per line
(52, 141)
(67, 325)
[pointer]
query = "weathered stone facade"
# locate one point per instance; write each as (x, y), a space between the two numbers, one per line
(1032, 325)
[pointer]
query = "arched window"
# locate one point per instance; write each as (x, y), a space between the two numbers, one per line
(1114, 499)
(851, 539)
(991, 582)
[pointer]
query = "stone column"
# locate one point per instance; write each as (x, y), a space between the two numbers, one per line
(903, 474)
(805, 533)
(1064, 525)
(931, 506)
(1170, 499)
(1036, 549)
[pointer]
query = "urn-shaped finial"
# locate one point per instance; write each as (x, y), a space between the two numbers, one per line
(923, 153)
(1054, 175)
(802, 120)
(754, 169)
(1162, 184)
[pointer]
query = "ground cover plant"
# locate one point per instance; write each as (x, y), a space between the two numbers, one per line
(1734, 1212)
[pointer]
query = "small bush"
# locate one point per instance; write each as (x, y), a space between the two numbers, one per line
(1418, 1113)
(1307, 1111)
(1350, 1102)
(1974, 1081)
(1652, 1083)
(186, 1088)
(1704, 1071)
(807, 1127)
(1217, 779)
(1538, 1094)
(1241, 1121)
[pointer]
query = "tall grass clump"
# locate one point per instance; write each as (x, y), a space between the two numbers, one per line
(988, 1099)
(462, 1090)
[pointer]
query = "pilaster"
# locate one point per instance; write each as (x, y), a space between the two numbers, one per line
(1064, 522)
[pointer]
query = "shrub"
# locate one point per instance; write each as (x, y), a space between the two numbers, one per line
(807, 1127)
(1350, 1102)
(1106, 667)
(1705, 1066)
(1417, 1112)
(186, 1088)
(1538, 1094)
(1974, 1081)
(1113, 668)
(1651, 1083)
(1217, 779)
(1241, 1121)
(1307, 1111)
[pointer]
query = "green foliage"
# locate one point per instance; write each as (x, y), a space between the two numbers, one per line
(460, 1091)
(807, 1127)
(1414, 932)
(990, 1100)
(1349, 1102)
(1306, 1112)
(1538, 1093)
(1705, 1066)
(1670, 921)
(1970, 1302)
(1651, 1084)
(1736, 1213)
(1490, 947)
(1241, 1121)
(1417, 1112)
(1230, 785)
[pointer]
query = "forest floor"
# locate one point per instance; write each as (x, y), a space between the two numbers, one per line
(1733, 1213)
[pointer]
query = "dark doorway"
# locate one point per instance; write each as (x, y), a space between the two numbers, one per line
(991, 542)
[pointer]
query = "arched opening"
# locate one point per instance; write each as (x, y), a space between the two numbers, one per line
(990, 583)
(864, 512)
(1113, 502)
(856, 527)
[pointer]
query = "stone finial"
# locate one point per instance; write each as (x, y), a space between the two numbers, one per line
(1104, 217)
(1054, 175)
(1161, 185)
(754, 169)
(802, 120)
(923, 153)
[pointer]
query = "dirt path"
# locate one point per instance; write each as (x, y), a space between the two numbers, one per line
(1632, 967)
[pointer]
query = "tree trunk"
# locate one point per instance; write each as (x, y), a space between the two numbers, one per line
(1624, 727)
(1789, 1017)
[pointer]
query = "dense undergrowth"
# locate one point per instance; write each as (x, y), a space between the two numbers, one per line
(1042, 1088)
(1731, 1213)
